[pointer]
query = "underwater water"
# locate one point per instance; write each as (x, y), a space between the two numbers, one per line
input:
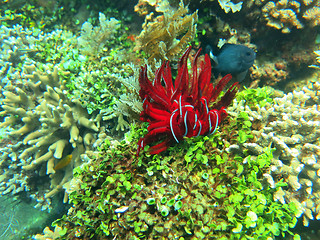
(165, 119)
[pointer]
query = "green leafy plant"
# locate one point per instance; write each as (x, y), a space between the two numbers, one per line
(195, 189)
(256, 96)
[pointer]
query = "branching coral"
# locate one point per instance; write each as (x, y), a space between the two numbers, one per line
(20, 48)
(167, 35)
(186, 108)
(291, 126)
(286, 14)
(51, 128)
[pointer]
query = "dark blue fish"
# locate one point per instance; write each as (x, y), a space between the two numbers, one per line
(233, 58)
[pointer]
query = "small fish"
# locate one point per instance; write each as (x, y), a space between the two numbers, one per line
(121, 209)
(63, 162)
(232, 58)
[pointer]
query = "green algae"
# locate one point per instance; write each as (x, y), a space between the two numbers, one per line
(195, 190)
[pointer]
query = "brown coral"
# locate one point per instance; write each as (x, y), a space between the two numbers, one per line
(167, 35)
(270, 73)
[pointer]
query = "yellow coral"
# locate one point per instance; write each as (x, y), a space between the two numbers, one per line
(288, 14)
(313, 16)
(47, 126)
(282, 15)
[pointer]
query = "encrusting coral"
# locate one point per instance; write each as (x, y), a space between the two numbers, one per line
(54, 131)
(291, 126)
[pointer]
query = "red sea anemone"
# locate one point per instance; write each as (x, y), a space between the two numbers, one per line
(185, 108)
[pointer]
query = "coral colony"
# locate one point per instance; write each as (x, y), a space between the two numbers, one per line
(186, 108)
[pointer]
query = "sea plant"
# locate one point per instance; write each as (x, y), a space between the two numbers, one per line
(256, 96)
(196, 190)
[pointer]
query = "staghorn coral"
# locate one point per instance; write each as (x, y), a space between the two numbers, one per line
(47, 127)
(167, 35)
(21, 48)
(291, 126)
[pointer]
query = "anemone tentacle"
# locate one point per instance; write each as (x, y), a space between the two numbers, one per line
(185, 108)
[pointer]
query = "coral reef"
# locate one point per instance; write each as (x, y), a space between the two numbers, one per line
(166, 36)
(21, 50)
(228, 5)
(63, 92)
(286, 15)
(270, 73)
(47, 128)
(49, 235)
(197, 190)
(47, 133)
(291, 126)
